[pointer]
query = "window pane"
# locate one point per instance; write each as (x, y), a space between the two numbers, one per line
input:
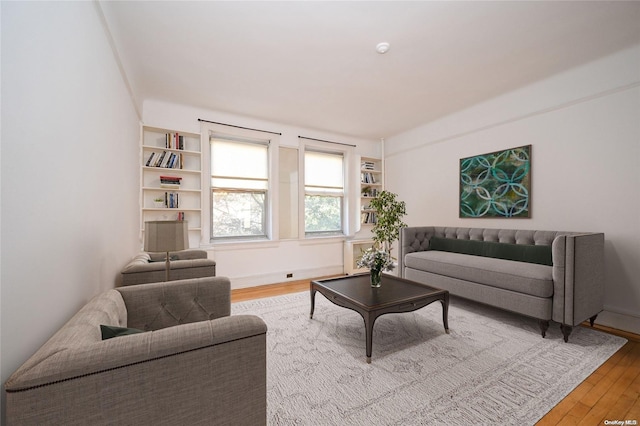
(322, 214)
(323, 169)
(238, 159)
(238, 214)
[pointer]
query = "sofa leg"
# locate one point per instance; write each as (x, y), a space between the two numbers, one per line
(593, 319)
(544, 326)
(566, 331)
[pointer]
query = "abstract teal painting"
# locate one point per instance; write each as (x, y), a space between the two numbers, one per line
(496, 185)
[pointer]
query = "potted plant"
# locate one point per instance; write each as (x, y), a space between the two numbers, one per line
(158, 202)
(389, 212)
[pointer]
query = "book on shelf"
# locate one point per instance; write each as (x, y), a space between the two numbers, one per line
(170, 179)
(368, 165)
(368, 218)
(180, 216)
(367, 178)
(167, 160)
(151, 159)
(171, 200)
(172, 182)
(174, 141)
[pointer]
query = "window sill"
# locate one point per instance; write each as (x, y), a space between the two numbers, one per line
(323, 239)
(263, 244)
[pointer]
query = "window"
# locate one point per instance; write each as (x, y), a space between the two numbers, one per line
(239, 188)
(324, 192)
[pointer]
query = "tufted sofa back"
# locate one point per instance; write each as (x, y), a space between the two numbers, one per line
(417, 238)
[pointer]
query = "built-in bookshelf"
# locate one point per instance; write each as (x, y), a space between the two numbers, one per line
(171, 169)
(370, 186)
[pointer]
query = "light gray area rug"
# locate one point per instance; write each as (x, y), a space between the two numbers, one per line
(494, 367)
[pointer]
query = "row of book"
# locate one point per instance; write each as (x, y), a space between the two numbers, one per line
(167, 160)
(368, 217)
(368, 165)
(170, 182)
(367, 178)
(171, 200)
(174, 141)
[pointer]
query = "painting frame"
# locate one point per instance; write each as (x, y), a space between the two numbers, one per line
(496, 184)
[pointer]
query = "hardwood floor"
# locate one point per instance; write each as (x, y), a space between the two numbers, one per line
(611, 393)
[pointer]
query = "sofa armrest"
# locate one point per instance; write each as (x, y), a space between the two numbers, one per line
(412, 239)
(160, 305)
(578, 277)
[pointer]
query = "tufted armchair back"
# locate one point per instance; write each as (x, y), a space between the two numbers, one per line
(161, 305)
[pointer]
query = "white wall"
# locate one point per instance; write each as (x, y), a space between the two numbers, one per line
(584, 128)
(69, 169)
(251, 264)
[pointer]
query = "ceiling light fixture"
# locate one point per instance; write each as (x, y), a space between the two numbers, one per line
(382, 47)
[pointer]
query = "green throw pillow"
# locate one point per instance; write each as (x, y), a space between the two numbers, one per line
(110, 331)
(519, 252)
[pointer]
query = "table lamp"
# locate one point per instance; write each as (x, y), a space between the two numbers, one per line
(166, 236)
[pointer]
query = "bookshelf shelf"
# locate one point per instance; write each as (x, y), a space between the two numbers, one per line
(170, 170)
(371, 183)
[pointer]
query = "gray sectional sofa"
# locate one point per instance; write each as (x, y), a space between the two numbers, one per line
(192, 364)
(547, 275)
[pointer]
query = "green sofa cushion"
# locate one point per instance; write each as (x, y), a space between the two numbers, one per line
(110, 331)
(540, 255)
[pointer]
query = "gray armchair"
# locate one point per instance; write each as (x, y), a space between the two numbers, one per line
(151, 268)
(194, 365)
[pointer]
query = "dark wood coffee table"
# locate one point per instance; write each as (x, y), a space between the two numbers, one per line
(395, 295)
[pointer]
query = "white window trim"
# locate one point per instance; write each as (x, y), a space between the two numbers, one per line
(210, 129)
(348, 200)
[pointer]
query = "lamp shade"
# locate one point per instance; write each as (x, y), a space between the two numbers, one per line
(166, 235)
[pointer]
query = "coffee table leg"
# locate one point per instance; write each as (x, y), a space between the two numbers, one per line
(368, 325)
(313, 302)
(445, 312)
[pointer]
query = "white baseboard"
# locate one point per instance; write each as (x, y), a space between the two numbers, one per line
(615, 318)
(280, 277)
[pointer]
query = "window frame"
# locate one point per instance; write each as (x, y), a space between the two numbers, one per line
(329, 148)
(226, 132)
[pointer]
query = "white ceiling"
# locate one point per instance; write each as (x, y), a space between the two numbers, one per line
(314, 64)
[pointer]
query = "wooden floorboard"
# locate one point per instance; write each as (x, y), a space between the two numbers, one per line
(612, 392)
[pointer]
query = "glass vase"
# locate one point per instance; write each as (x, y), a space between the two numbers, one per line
(376, 277)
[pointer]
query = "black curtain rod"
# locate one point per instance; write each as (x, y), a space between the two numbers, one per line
(320, 140)
(240, 127)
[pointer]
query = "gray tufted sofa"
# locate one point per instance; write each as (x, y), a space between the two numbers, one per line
(194, 365)
(547, 275)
